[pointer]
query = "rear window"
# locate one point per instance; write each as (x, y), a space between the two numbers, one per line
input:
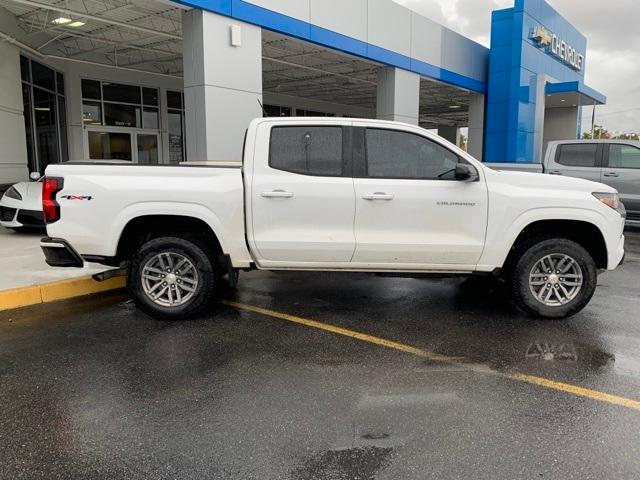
(577, 155)
(307, 150)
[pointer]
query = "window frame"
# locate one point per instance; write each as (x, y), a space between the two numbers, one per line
(59, 95)
(347, 160)
(362, 155)
(599, 155)
(142, 105)
(607, 161)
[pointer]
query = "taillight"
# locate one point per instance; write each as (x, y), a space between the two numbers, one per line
(50, 208)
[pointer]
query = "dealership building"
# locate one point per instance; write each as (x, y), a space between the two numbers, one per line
(160, 82)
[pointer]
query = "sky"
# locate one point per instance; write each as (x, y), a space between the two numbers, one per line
(613, 35)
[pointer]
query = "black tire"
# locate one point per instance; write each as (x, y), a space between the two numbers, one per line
(527, 258)
(207, 275)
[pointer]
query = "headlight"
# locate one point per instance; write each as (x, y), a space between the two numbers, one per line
(13, 193)
(610, 200)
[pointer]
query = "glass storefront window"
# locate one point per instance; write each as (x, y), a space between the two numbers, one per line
(43, 76)
(110, 146)
(28, 125)
(176, 127)
(91, 89)
(174, 100)
(44, 113)
(147, 149)
(120, 115)
(25, 72)
(150, 96)
(91, 113)
(118, 92)
(150, 118)
(176, 138)
(46, 132)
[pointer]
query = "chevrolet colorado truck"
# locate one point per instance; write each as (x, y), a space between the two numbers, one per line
(333, 195)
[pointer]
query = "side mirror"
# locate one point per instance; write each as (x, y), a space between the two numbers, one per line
(35, 176)
(466, 173)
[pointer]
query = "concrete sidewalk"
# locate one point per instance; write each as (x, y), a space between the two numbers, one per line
(22, 262)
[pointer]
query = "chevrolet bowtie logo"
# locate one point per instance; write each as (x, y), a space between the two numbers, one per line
(542, 36)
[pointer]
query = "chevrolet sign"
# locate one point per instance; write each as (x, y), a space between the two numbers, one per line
(557, 47)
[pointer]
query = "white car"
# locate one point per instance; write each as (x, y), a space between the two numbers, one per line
(334, 195)
(21, 205)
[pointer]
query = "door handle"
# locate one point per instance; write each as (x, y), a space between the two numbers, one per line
(277, 194)
(611, 174)
(554, 172)
(378, 196)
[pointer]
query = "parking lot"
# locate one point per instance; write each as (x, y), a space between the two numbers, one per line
(326, 376)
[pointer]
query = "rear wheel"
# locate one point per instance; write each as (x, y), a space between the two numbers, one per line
(553, 278)
(172, 278)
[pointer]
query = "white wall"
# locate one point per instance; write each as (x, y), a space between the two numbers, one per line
(560, 124)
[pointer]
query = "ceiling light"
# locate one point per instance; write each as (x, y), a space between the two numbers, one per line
(76, 24)
(454, 106)
(61, 21)
(563, 100)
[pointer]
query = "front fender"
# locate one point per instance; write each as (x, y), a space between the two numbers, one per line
(500, 240)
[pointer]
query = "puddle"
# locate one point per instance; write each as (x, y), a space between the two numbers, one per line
(349, 464)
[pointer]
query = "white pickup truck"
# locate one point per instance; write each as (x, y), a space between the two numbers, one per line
(333, 195)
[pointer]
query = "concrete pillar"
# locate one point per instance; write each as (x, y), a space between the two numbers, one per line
(449, 133)
(13, 154)
(475, 142)
(222, 83)
(398, 95)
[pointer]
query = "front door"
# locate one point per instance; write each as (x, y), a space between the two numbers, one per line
(622, 172)
(411, 213)
(302, 200)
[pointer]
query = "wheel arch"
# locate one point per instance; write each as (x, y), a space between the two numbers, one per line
(583, 232)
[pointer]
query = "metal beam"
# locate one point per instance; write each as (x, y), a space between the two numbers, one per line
(74, 13)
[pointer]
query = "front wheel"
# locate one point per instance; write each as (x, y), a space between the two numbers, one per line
(554, 278)
(171, 278)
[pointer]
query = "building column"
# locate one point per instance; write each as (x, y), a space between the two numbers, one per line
(450, 133)
(13, 154)
(398, 95)
(222, 84)
(475, 142)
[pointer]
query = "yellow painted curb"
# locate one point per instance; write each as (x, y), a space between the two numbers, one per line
(50, 292)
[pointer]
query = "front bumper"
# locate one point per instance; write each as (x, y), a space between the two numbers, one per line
(18, 217)
(58, 253)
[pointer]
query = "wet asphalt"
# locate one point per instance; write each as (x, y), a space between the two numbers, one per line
(93, 389)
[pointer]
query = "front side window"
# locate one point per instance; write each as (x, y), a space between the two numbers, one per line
(624, 156)
(403, 155)
(307, 150)
(578, 155)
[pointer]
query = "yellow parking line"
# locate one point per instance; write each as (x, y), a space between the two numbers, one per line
(520, 377)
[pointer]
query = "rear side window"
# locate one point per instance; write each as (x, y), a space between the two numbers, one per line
(578, 155)
(403, 155)
(307, 150)
(624, 156)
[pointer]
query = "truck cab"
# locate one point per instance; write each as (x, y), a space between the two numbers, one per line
(613, 162)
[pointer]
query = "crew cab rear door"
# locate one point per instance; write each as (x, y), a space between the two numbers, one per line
(580, 159)
(621, 170)
(411, 213)
(302, 198)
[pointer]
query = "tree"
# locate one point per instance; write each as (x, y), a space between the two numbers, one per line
(628, 136)
(598, 132)
(462, 142)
